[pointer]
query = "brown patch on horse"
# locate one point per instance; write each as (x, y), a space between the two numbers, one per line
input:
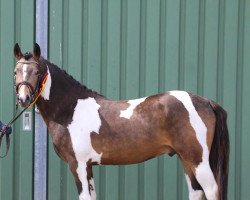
(207, 115)
(188, 171)
(182, 134)
(137, 139)
(158, 125)
(61, 140)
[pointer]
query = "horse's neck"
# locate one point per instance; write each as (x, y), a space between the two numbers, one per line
(64, 93)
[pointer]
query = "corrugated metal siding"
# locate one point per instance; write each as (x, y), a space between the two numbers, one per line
(132, 48)
(16, 24)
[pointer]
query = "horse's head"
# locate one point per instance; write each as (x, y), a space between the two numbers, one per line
(27, 74)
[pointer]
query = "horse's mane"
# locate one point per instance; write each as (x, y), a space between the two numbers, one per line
(63, 73)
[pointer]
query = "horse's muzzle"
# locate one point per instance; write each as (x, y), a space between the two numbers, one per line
(24, 100)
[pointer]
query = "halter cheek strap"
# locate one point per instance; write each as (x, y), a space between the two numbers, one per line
(41, 89)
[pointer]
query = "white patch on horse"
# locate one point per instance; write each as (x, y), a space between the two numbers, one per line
(46, 92)
(203, 172)
(82, 175)
(194, 194)
(129, 111)
(195, 120)
(25, 72)
(205, 177)
(85, 120)
(21, 90)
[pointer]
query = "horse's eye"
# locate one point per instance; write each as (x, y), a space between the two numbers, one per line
(36, 72)
(14, 72)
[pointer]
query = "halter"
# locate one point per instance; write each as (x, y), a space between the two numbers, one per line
(35, 94)
(32, 90)
(37, 91)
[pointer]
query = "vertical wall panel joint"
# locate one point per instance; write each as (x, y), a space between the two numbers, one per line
(239, 91)
(65, 34)
(200, 78)
(182, 28)
(84, 60)
(220, 61)
(104, 49)
(123, 50)
(142, 62)
(162, 46)
(40, 144)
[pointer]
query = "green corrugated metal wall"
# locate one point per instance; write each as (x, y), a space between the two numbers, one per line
(131, 48)
(16, 24)
(128, 49)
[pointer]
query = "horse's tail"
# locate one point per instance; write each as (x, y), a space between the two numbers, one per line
(219, 153)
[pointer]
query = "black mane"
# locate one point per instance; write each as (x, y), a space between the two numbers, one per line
(76, 84)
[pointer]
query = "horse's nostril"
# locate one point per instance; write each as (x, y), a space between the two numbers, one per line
(27, 98)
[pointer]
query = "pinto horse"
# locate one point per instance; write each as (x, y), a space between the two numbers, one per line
(88, 129)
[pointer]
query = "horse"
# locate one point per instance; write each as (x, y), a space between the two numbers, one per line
(89, 129)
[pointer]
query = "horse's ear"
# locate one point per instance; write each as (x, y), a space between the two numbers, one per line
(37, 51)
(17, 52)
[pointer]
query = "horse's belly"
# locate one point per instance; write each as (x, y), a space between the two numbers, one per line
(123, 155)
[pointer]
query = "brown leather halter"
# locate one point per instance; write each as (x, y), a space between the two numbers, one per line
(33, 91)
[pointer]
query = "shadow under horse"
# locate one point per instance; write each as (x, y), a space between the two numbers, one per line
(88, 129)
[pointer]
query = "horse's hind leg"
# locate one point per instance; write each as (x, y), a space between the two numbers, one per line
(202, 176)
(199, 167)
(205, 177)
(195, 147)
(83, 176)
(194, 188)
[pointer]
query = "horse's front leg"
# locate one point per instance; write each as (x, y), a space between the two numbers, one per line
(83, 175)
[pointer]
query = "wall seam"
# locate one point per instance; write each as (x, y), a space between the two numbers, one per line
(239, 84)
(40, 139)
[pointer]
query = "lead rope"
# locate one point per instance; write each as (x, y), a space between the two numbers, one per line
(6, 129)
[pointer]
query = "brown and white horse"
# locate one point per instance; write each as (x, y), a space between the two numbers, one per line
(88, 129)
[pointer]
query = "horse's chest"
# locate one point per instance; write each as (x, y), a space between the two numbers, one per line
(85, 121)
(61, 140)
